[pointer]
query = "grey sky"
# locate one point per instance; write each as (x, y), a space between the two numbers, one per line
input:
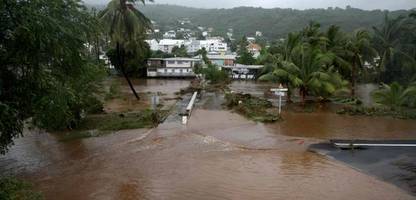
(297, 4)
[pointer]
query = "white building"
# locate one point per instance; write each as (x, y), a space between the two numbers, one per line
(171, 67)
(214, 45)
(259, 34)
(170, 34)
(166, 45)
(153, 44)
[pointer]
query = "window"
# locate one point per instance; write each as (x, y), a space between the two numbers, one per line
(181, 70)
(171, 62)
(180, 62)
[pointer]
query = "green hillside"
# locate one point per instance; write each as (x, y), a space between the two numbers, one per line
(274, 23)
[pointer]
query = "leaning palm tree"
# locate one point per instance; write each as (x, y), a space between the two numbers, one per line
(125, 24)
(395, 96)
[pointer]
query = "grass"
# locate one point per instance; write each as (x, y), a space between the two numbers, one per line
(98, 125)
(14, 189)
(114, 90)
(254, 108)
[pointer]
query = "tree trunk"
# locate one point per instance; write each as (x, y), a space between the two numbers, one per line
(303, 95)
(353, 74)
(120, 57)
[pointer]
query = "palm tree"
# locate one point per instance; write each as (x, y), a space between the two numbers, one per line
(358, 44)
(125, 24)
(395, 95)
(337, 44)
(387, 39)
(308, 71)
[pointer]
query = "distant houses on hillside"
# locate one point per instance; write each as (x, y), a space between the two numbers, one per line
(192, 45)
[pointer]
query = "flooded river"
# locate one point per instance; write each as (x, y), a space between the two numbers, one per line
(218, 155)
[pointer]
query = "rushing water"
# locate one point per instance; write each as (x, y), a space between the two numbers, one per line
(218, 155)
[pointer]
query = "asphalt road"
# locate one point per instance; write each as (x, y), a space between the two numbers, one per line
(396, 165)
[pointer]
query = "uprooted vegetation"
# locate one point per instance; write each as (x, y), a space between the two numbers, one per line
(251, 107)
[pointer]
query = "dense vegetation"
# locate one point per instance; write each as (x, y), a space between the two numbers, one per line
(322, 63)
(274, 23)
(47, 72)
(14, 189)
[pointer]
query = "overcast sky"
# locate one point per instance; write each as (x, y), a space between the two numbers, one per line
(297, 4)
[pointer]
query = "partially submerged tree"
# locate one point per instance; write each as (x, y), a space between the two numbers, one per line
(46, 71)
(395, 96)
(125, 24)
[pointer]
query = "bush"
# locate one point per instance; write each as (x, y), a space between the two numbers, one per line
(11, 124)
(253, 108)
(215, 75)
(13, 189)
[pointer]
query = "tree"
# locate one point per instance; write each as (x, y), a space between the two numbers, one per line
(358, 45)
(395, 96)
(125, 24)
(244, 56)
(309, 73)
(180, 51)
(135, 58)
(203, 52)
(43, 54)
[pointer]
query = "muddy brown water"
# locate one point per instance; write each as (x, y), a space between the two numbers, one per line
(218, 155)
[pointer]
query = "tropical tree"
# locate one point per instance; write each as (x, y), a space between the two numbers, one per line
(387, 42)
(179, 51)
(125, 24)
(395, 96)
(336, 43)
(46, 72)
(358, 45)
(309, 72)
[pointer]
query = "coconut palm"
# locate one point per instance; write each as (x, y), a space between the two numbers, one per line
(358, 44)
(387, 40)
(125, 24)
(395, 96)
(337, 44)
(308, 71)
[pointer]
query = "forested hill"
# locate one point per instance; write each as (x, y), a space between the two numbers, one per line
(274, 23)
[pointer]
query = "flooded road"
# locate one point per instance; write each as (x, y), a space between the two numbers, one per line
(218, 155)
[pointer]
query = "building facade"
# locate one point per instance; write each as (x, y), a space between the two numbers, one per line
(171, 67)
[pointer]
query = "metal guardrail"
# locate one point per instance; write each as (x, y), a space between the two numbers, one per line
(188, 110)
(376, 143)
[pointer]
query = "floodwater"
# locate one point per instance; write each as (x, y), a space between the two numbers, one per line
(218, 155)
(163, 89)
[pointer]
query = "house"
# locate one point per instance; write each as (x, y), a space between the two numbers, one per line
(255, 49)
(240, 71)
(251, 39)
(170, 34)
(220, 59)
(259, 34)
(213, 45)
(171, 67)
(166, 45)
(153, 44)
